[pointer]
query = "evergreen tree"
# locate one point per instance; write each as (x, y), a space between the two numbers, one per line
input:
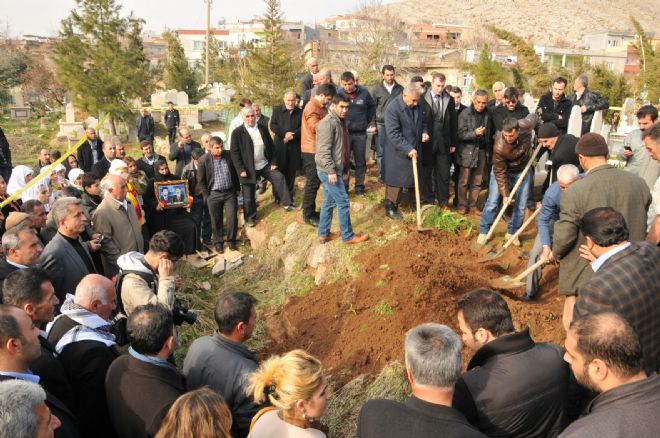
(178, 73)
(218, 67)
(270, 64)
(610, 85)
(487, 71)
(100, 58)
(648, 80)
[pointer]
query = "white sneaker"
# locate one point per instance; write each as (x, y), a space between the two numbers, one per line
(481, 240)
(515, 242)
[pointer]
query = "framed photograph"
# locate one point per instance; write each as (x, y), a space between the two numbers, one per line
(172, 194)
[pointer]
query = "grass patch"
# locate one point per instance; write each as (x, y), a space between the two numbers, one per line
(447, 221)
(384, 308)
(381, 283)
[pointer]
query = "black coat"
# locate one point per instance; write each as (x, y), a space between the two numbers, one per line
(176, 154)
(171, 118)
(139, 395)
(414, 418)
(147, 168)
(206, 173)
(562, 153)
(52, 374)
(101, 168)
(5, 269)
(5, 157)
(468, 143)
(594, 102)
(281, 122)
(551, 110)
(382, 97)
(86, 157)
(242, 152)
(514, 387)
(445, 137)
(501, 113)
(145, 127)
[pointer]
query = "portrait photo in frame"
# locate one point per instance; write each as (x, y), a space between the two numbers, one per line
(172, 194)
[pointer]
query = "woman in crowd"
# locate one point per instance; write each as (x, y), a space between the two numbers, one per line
(197, 414)
(91, 197)
(20, 176)
(75, 178)
(137, 177)
(71, 162)
(295, 387)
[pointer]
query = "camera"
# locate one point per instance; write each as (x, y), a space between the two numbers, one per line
(181, 314)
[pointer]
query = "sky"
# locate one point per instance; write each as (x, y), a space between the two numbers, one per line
(42, 17)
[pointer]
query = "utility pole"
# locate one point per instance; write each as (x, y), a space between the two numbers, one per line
(208, 40)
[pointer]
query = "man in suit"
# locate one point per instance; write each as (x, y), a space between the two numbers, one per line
(285, 122)
(588, 101)
(31, 290)
(145, 126)
(116, 220)
(433, 365)
(406, 131)
(90, 152)
(67, 257)
(172, 120)
(181, 151)
(177, 197)
(142, 385)
(602, 186)
(20, 348)
(149, 158)
(218, 180)
(626, 279)
(22, 249)
(439, 110)
(253, 157)
(102, 167)
(86, 347)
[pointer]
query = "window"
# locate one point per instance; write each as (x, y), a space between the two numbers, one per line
(198, 45)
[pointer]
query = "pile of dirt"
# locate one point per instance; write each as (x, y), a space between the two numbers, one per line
(357, 325)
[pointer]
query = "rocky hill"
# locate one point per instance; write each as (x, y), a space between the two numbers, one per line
(561, 22)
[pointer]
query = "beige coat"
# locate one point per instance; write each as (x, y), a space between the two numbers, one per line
(121, 230)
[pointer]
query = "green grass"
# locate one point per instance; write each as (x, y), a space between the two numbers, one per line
(384, 308)
(447, 221)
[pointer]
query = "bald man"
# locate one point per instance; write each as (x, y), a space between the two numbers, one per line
(181, 152)
(90, 152)
(312, 66)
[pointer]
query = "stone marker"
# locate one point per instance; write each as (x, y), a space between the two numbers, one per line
(575, 122)
(597, 122)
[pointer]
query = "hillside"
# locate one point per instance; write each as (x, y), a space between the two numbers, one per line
(542, 21)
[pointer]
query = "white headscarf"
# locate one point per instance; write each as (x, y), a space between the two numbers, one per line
(116, 165)
(17, 179)
(34, 191)
(74, 174)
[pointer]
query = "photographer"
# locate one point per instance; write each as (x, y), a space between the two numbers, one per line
(149, 278)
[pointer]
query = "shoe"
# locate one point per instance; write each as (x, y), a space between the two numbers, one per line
(392, 212)
(528, 297)
(474, 211)
(462, 210)
(233, 246)
(359, 191)
(251, 223)
(262, 187)
(291, 207)
(219, 248)
(358, 238)
(481, 240)
(208, 245)
(515, 242)
(328, 238)
(311, 220)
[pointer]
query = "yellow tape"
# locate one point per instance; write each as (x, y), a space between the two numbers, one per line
(36, 178)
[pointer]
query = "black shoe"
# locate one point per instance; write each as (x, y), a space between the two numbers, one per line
(392, 212)
(311, 220)
(262, 187)
(359, 191)
(233, 246)
(528, 297)
(291, 207)
(219, 248)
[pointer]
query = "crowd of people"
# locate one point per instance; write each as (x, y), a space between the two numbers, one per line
(88, 306)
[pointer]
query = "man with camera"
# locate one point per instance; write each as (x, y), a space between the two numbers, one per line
(149, 278)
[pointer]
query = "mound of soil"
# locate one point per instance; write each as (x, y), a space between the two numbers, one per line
(357, 325)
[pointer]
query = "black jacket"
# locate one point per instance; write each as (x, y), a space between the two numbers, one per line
(5, 269)
(443, 135)
(177, 154)
(242, 152)
(86, 157)
(361, 110)
(139, 395)
(281, 122)
(145, 127)
(206, 173)
(147, 168)
(382, 97)
(102, 167)
(562, 153)
(413, 418)
(594, 102)
(515, 387)
(551, 110)
(501, 112)
(468, 142)
(52, 374)
(5, 157)
(171, 118)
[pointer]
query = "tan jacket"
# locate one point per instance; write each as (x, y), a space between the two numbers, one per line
(314, 112)
(121, 230)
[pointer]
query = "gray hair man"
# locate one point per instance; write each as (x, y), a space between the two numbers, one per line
(588, 101)
(652, 142)
(67, 257)
(567, 174)
(22, 249)
(433, 366)
(23, 411)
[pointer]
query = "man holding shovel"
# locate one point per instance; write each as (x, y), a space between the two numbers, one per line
(511, 153)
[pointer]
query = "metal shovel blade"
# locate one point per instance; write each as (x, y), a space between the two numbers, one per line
(505, 282)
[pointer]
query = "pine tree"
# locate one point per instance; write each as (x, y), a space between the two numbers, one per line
(100, 58)
(178, 73)
(648, 80)
(487, 71)
(217, 64)
(270, 64)
(610, 85)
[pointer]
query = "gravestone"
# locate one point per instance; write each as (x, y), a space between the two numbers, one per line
(170, 96)
(158, 100)
(575, 122)
(69, 113)
(69, 128)
(597, 122)
(182, 98)
(530, 103)
(91, 122)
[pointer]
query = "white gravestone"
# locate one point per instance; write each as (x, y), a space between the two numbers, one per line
(597, 122)
(575, 122)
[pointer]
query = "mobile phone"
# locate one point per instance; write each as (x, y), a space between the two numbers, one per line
(628, 148)
(101, 238)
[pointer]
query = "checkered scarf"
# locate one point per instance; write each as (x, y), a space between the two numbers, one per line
(92, 327)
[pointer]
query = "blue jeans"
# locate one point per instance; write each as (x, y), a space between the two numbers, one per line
(334, 195)
(491, 210)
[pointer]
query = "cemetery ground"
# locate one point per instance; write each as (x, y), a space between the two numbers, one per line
(348, 305)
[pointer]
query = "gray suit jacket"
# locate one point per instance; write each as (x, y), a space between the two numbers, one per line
(122, 232)
(64, 265)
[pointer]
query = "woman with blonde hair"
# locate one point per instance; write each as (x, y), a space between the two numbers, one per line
(197, 414)
(297, 390)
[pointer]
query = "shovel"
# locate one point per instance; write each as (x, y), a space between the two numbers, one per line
(492, 255)
(507, 282)
(512, 193)
(417, 198)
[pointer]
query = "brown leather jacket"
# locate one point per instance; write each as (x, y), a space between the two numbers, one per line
(313, 113)
(513, 157)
